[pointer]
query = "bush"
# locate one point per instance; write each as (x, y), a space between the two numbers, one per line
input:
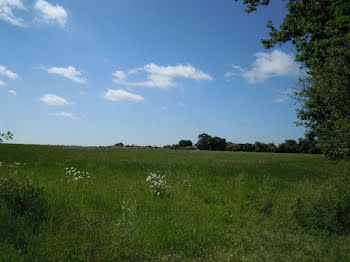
(23, 199)
(328, 209)
(185, 143)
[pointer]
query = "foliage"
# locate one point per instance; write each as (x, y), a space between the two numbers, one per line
(22, 199)
(184, 143)
(308, 145)
(260, 147)
(217, 143)
(320, 32)
(203, 141)
(288, 146)
(5, 136)
(207, 142)
(253, 4)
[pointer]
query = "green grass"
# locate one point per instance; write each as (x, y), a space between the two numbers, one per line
(220, 206)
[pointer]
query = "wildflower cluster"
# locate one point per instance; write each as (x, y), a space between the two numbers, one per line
(18, 164)
(13, 168)
(74, 175)
(158, 184)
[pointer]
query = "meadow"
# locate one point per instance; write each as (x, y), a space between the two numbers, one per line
(106, 204)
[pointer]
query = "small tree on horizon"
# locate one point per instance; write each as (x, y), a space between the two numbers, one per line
(185, 143)
(6, 136)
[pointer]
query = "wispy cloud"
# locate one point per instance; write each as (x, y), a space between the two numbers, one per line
(67, 115)
(160, 76)
(121, 95)
(265, 66)
(6, 72)
(2, 83)
(54, 100)
(50, 14)
(6, 11)
(12, 92)
(68, 72)
(284, 95)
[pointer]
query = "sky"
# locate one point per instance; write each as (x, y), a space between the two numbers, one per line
(145, 72)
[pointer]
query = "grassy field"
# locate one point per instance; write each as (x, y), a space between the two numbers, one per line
(211, 206)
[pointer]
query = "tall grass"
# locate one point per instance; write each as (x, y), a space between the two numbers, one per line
(217, 206)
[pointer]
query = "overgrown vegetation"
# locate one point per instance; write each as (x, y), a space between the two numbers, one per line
(327, 207)
(149, 205)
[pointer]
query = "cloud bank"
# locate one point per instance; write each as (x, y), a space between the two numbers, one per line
(121, 95)
(54, 100)
(50, 14)
(67, 115)
(8, 73)
(41, 12)
(159, 76)
(12, 92)
(69, 72)
(6, 11)
(267, 65)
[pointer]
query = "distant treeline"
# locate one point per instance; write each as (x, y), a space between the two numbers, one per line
(206, 142)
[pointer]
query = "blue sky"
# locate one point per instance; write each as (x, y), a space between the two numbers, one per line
(146, 72)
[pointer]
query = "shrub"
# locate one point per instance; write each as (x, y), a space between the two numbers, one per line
(185, 143)
(23, 199)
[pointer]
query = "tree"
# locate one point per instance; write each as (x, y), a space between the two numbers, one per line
(5, 136)
(203, 141)
(217, 143)
(233, 147)
(185, 143)
(271, 147)
(288, 146)
(260, 147)
(247, 147)
(319, 29)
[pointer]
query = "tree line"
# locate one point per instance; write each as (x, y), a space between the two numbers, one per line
(307, 145)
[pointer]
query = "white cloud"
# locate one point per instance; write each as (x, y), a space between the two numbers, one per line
(6, 11)
(160, 76)
(50, 14)
(2, 83)
(284, 95)
(54, 100)
(70, 72)
(121, 95)
(4, 71)
(267, 65)
(12, 92)
(67, 115)
(181, 104)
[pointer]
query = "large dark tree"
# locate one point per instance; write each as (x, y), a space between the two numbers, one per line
(184, 143)
(320, 31)
(203, 141)
(217, 143)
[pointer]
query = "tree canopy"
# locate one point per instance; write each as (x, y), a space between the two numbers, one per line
(5, 136)
(320, 31)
